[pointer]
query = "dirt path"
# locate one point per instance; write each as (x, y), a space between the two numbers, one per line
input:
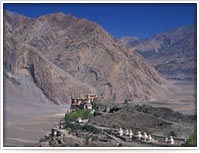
(118, 140)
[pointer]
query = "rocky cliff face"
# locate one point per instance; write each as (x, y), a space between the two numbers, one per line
(66, 56)
(173, 53)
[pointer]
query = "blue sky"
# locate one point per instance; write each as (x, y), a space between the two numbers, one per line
(142, 20)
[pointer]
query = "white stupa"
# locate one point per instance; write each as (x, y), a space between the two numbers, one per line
(145, 136)
(166, 139)
(127, 132)
(131, 133)
(139, 135)
(150, 138)
(171, 140)
(121, 132)
(79, 120)
(92, 112)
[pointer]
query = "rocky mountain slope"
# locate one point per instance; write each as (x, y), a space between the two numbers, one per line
(65, 56)
(172, 53)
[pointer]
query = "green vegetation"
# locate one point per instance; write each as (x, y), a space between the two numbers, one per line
(86, 128)
(191, 141)
(82, 113)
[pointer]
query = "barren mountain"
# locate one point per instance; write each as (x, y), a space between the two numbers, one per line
(66, 56)
(173, 53)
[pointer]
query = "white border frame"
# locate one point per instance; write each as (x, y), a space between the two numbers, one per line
(99, 148)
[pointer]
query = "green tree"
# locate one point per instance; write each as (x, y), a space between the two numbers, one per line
(82, 113)
(192, 140)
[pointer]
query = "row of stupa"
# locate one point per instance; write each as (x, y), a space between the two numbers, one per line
(144, 137)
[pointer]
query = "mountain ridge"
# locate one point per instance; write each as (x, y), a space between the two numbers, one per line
(172, 53)
(84, 51)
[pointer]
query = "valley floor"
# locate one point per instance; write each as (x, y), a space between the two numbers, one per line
(25, 123)
(27, 132)
(183, 100)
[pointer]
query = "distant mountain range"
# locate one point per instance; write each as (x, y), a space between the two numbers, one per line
(173, 53)
(59, 56)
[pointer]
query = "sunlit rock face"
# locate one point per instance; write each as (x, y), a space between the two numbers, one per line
(66, 56)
